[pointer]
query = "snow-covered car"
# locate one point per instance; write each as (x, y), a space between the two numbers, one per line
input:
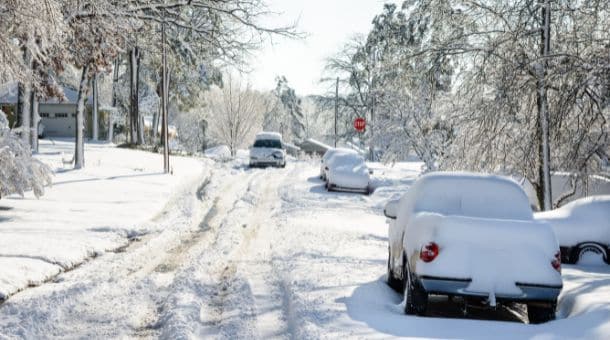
(582, 228)
(328, 154)
(268, 150)
(347, 172)
(472, 235)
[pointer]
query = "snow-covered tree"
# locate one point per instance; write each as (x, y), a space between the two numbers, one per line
(19, 171)
(234, 114)
(286, 114)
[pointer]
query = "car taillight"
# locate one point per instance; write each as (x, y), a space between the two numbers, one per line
(429, 252)
(556, 263)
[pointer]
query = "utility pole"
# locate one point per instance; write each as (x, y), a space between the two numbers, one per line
(336, 109)
(545, 171)
(164, 98)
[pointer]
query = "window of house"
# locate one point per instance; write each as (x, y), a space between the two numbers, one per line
(44, 115)
(61, 115)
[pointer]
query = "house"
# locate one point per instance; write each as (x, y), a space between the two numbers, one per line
(313, 147)
(56, 115)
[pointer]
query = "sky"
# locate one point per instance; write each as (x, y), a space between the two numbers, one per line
(329, 24)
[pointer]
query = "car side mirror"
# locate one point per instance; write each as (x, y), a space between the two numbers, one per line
(390, 210)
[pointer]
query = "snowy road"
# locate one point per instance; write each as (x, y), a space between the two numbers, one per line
(269, 254)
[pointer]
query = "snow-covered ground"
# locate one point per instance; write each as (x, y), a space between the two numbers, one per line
(268, 253)
(85, 212)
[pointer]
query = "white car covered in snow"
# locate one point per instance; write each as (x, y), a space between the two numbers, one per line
(268, 150)
(328, 154)
(474, 236)
(347, 172)
(582, 228)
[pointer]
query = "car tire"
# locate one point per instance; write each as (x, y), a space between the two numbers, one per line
(329, 186)
(416, 298)
(589, 247)
(537, 314)
(392, 281)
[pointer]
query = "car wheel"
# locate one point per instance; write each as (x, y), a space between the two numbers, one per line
(329, 186)
(588, 252)
(537, 313)
(392, 281)
(416, 298)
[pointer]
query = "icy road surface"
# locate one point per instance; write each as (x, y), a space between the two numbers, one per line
(269, 254)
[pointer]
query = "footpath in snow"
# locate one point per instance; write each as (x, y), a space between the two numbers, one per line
(86, 212)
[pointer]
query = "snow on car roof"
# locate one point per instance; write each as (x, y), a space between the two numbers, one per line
(471, 194)
(268, 135)
(583, 220)
(343, 158)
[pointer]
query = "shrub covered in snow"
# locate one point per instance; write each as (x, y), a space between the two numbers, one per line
(19, 171)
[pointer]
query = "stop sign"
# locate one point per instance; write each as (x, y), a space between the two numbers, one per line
(360, 124)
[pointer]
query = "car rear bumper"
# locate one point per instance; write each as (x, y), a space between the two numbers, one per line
(459, 287)
(261, 163)
(348, 189)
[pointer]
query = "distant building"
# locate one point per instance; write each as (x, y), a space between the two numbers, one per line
(57, 116)
(313, 147)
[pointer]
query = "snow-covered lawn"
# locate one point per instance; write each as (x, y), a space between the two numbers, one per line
(268, 253)
(85, 212)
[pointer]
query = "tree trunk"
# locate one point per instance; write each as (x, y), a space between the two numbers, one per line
(79, 152)
(134, 111)
(115, 84)
(24, 111)
(35, 122)
(95, 117)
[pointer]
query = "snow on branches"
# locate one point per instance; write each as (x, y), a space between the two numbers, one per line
(19, 171)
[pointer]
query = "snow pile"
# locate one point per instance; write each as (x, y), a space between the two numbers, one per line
(219, 153)
(586, 219)
(86, 212)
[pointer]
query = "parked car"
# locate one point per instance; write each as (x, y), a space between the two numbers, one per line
(268, 150)
(347, 172)
(328, 154)
(472, 235)
(582, 228)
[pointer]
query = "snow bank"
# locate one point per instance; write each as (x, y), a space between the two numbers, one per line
(221, 152)
(586, 219)
(85, 212)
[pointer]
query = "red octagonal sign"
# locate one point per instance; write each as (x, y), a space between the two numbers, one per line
(360, 124)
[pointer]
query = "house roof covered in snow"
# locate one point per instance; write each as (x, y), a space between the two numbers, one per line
(8, 95)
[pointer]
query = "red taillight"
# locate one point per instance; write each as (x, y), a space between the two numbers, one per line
(556, 263)
(429, 252)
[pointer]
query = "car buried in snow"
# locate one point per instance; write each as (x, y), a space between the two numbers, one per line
(582, 228)
(348, 172)
(328, 155)
(268, 150)
(473, 236)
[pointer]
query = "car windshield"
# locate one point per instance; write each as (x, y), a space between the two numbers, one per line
(268, 143)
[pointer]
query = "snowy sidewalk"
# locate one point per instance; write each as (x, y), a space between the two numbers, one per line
(85, 212)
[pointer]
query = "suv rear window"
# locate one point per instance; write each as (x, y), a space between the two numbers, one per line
(268, 143)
